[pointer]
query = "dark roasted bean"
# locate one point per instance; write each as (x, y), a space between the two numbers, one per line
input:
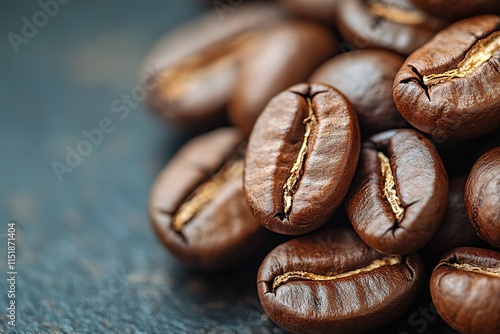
(400, 192)
(465, 288)
(332, 282)
(482, 197)
(365, 78)
(385, 24)
(279, 62)
(301, 158)
(194, 68)
(449, 87)
(197, 205)
(460, 8)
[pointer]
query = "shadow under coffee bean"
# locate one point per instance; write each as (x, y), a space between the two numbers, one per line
(455, 230)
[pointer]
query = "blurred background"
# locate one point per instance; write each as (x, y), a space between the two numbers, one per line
(87, 258)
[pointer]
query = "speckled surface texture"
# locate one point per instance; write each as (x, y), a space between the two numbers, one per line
(87, 259)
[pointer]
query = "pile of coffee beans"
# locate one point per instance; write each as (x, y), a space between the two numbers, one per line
(356, 142)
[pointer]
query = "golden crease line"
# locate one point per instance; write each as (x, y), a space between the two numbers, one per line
(307, 276)
(204, 194)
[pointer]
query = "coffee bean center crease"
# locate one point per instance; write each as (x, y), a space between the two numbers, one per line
(495, 272)
(293, 276)
(481, 52)
(180, 78)
(397, 15)
(205, 193)
(390, 193)
(295, 173)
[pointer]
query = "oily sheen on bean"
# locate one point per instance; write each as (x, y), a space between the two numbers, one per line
(332, 282)
(365, 77)
(482, 197)
(278, 62)
(465, 289)
(394, 25)
(400, 192)
(449, 87)
(301, 158)
(197, 205)
(460, 9)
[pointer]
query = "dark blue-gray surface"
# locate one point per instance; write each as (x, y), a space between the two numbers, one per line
(87, 259)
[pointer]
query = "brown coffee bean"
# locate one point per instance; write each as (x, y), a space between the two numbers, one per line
(301, 158)
(455, 229)
(385, 24)
(365, 78)
(465, 288)
(197, 205)
(192, 71)
(399, 194)
(449, 87)
(278, 63)
(460, 8)
(323, 10)
(482, 197)
(332, 282)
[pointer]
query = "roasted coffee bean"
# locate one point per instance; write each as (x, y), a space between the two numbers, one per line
(449, 87)
(399, 194)
(332, 282)
(465, 288)
(192, 71)
(365, 78)
(385, 24)
(197, 205)
(323, 10)
(279, 62)
(301, 158)
(459, 9)
(482, 197)
(455, 230)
